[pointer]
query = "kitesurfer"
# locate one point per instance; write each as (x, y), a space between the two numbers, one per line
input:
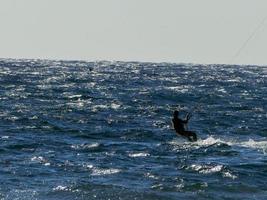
(179, 126)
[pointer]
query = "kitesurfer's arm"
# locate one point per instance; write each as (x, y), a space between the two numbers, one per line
(188, 116)
(184, 121)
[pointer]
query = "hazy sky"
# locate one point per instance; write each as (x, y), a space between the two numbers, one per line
(198, 31)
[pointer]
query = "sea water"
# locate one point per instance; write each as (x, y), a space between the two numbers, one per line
(102, 130)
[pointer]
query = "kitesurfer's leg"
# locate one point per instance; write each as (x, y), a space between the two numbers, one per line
(192, 136)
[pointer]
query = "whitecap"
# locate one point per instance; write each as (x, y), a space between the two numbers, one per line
(214, 169)
(97, 107)
(222, 90)
(13, 118)
(206, 169)
(182, 89)
(40, 159)
(47, 164)
(178, 141)
(211, 141)
(85, 146)
(237, 80)
(152, 176)
(183, 143)
(139, 155)
(93, 145)
(61, 188)
(76, 104)
(33, 117)
(98, 172)
(262, 145)
(88, 166)
(229, 175)
(180, 186)
(115, 106)
(159, 186)
(74, 96)
(92, 84)
(136, 71)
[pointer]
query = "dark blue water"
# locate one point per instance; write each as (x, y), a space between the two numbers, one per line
(102, 130)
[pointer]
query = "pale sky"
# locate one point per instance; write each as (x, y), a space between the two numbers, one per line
(181, 31)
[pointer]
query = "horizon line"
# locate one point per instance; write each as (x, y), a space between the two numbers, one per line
(129, 61)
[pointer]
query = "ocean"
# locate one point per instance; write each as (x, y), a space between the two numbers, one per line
(102, 130)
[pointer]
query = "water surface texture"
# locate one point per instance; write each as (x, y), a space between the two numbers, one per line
(102, 130)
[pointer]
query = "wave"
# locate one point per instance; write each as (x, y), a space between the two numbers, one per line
(88, 147)
(41, 160)
(141, 154)
(98, 171)
(261, 145)
(211, 141)
(211, 169)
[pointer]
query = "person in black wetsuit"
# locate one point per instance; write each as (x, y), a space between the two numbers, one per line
(179, 124)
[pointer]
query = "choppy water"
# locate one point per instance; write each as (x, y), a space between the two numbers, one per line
(101, 130)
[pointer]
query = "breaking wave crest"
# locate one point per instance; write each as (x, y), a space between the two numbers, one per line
(213, 141)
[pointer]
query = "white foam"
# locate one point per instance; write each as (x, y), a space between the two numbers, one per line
(159, 186)
(210, 169)
(115, 106)
(40, 159)
(61, 188)
(152, 176)
(77, 104)
(98, 172)
(206, 169)
(133, 155)
(88, 166)
(222, 90)
(85, 146)
(260, 145)
(74, 96)
(98, 107)
(229, 175)
(93, 145)
(181, 89)
(211, 141)
(233, 80)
